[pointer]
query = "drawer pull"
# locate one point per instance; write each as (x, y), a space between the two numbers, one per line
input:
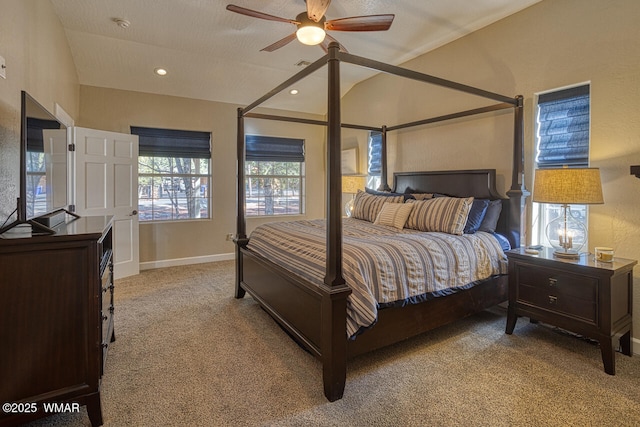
(553, 282)
(553, 300)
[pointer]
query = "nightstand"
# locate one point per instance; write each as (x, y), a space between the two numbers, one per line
(584, 296)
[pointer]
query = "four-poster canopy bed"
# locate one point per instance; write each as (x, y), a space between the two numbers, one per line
(316, 314)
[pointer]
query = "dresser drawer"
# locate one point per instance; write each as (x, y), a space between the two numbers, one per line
(559, 282)
(107, 304)
(106, 287)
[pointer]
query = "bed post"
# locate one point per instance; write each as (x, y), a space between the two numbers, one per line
(518, 192)
(241, 232)
(384, 186)
(334, 298)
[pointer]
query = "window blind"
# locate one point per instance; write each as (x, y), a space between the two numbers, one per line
(172, 143)
(563, 128)
(274, 149)
(375, 154)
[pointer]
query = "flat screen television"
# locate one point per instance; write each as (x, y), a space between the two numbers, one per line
(43, 148)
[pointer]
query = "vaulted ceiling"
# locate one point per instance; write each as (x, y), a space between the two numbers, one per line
(213, 54)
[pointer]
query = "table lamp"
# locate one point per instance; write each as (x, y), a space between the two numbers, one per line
(350, 185)
(567, 186)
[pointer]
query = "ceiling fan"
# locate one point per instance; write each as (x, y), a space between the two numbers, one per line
(312, 24)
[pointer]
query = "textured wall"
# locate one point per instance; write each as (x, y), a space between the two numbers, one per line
(39, 61)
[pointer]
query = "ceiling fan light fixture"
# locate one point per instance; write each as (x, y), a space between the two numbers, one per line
(310, 35)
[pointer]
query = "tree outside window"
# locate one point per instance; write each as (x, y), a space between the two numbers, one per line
(173, 174)
(274, 176)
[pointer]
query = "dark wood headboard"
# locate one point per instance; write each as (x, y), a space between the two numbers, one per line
(479, 183)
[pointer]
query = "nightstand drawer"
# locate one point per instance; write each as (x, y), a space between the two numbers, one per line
(556, 281)
(558, 302)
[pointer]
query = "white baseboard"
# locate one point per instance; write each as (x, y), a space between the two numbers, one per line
(150, 265)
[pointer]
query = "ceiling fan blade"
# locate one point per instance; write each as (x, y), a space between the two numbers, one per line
(256, 14)
(316, 9)
(361, 23)
(328, 39)
(280, 43)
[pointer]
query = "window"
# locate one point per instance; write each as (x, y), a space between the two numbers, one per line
(562, 138)
(174, 173)
(374, 160)
(274, 176)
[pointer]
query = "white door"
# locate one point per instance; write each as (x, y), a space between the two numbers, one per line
(106, 183)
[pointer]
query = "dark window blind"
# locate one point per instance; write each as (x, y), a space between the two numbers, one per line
(273, 149)
(375, 154)
(173, 143)
(563, 128)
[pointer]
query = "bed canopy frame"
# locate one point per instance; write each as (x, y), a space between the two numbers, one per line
(331, 305)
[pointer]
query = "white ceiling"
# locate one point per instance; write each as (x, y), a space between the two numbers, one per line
(214, 54)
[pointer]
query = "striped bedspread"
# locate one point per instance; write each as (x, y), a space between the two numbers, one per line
(382, 266)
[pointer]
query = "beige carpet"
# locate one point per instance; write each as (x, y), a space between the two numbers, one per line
(188, 354)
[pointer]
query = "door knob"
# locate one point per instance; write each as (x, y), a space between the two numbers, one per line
(133, 213)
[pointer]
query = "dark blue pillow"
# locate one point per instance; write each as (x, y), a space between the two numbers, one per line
(490, 220)
(476, 215)
(388, 194)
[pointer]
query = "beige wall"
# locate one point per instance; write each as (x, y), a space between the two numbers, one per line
(549, 45)
(39, 61)
(117, 110)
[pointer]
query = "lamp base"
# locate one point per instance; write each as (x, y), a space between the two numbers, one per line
(566, 254)
(348, 208)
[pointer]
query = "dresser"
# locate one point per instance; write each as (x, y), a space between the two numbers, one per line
(56, 320)
(585, 296)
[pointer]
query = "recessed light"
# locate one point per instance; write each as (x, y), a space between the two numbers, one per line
(293, 91)
(160, 71)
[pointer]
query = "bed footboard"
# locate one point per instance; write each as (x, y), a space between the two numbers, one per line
(315, 316)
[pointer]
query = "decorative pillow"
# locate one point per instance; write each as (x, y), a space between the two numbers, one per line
(490, 220)
(394, 214)
(443, 214)
(417, 194)
(476, 215)
(367, 206)
(422, 196)
(388, 193)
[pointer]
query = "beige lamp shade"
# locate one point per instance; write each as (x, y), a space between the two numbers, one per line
(569, 186)
(352, 183)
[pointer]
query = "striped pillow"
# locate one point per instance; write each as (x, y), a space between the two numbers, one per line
(443, 214)
(367, 206)
(394, 214)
